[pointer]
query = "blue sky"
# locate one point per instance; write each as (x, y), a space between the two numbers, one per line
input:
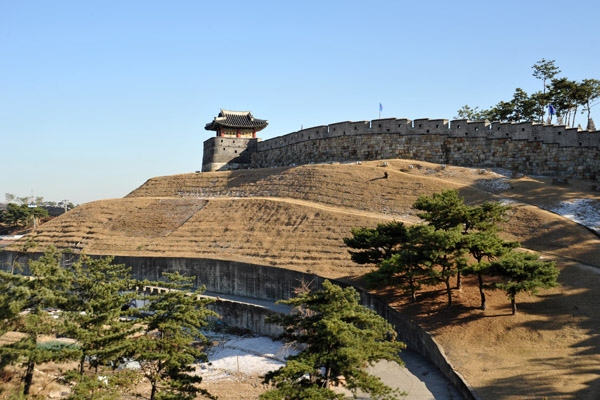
(98, 96)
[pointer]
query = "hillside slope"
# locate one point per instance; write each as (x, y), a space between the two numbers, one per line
(296, 218)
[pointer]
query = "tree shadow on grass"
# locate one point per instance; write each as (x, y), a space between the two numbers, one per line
(574, 314)
(521, 384)
(431, 309)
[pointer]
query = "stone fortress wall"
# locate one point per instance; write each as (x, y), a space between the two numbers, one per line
(530, 148)
(226, 153)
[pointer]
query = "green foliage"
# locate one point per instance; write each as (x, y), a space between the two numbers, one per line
(173, 323)
(100, 387)
(473, 114)
(25, 305)
(445, 210)
(339, 338)
(445, 255)
(57, 345)
(485, 244)
(9, 197)
(590, 91)
(100, 295)
(376, 244)
(429, 254)
(15, 215)
(21, 215)
(409, 267)
(565, 95)
(523, 272)
(545, 70)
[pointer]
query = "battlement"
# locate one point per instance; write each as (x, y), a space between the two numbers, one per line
(561, 135)
(532, 148)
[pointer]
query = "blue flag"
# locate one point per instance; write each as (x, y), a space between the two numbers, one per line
(380, 107)
(551, 110)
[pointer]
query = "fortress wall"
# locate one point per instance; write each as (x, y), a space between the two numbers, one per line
(535, 149)
(226, 153)
(270, 283)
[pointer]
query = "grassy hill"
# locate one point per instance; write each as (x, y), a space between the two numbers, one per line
(296, 218)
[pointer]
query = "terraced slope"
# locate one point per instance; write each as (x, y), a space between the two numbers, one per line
(296, 218)
(293, 217)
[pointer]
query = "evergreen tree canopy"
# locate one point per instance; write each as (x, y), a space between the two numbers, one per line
(523, 272)
(410, 266)
(338, 338)
(376, 244)
(445, 210)
(100, 296)
(165, 353)
(566, 96)
(26, 305)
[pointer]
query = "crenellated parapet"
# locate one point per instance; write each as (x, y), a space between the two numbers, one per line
(540, 149)
(533, 132)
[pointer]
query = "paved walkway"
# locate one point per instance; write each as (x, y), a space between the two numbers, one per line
(420, 379)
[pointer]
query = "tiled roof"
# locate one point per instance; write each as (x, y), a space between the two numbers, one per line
(236, 119)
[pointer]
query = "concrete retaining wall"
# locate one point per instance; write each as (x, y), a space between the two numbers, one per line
(246, 316)
(269, 283)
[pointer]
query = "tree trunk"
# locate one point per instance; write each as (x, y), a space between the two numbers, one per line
(543, 106)
(482, 294)
(513, 303)
(81, 363)
(458, 281)
(153, 393)
(28, 378)
(449, 291)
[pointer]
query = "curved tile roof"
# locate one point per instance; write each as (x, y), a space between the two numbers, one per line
(236, 119)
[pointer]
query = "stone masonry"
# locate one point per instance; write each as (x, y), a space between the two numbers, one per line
(536, 149)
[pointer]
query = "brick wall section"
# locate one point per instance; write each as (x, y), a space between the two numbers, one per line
(535, 149)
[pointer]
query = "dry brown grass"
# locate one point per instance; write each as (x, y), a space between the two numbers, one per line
(296, 218)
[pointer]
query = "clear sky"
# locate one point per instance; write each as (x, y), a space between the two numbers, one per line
(98, 96)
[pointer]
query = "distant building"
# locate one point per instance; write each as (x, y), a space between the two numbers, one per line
(236, 124)
(234, 143)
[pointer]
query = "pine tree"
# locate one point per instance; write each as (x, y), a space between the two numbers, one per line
(100, 296)
(339, 338)
(376, 244)
(485, 244)
(167, 351)
(445, 250)
(447, 211)
(523, 272)
(410, 266)
(26, 301)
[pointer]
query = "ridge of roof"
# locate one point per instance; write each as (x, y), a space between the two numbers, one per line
(235, 112)
(236, 119)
